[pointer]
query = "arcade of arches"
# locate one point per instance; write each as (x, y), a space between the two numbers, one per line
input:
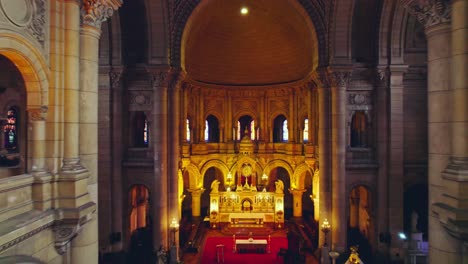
(148, 122)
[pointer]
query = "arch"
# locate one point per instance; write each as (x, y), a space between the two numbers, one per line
(313, 11)
(26, 57)
(195, 178)
(278, 163)
(158, 26)
(216, 164)
(341, 30)
(298, 178)
(391, 33)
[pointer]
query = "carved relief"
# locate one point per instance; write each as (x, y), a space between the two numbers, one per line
(159, 78)
(94, 12)
(115, 78)
(63, 235)
(429, 12)
(27, 14)
(140, 100)
(359, 101)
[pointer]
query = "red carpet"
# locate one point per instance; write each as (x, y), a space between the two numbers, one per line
(209, 252)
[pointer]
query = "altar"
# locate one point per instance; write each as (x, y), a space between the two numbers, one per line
(251, 245)
(246, 205)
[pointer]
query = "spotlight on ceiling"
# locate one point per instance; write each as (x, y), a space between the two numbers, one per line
(244, 10)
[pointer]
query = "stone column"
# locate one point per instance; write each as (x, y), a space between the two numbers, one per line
(37, 121)
(41, 192)
(85, 246)
(116, 147)
(71, 160)
(395, 153)
(435, 16)
(338, 146)
(297, 201)
(324, 149)
(160, 138)
(196, 201)
(174, 138)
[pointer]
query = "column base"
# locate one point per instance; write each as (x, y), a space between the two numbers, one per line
(72, 166)
(457, 169)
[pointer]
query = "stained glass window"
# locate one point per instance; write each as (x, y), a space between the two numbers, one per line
(187, 130)
(10, 130)
(285, 130)
(252, 130)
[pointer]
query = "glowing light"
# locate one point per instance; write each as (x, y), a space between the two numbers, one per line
(244, 10)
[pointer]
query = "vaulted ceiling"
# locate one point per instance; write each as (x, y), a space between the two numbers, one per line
(274, 43)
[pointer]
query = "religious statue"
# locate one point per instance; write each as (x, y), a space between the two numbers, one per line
(279, 186)
(215, 186)
(414, 222)
(354, 256)
(162, 256)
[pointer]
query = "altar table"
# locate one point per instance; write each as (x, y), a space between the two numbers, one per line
(249, 245)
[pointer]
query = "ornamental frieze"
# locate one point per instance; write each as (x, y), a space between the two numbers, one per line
(359, 101)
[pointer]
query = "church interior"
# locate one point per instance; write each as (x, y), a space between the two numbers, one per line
(228, 131)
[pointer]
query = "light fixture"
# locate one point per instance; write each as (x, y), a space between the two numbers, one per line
(244, 10)
(325, 229)
(402, 235)
(174, 228)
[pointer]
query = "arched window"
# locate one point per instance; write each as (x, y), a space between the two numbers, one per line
(280, 129)
(305, 134)
(211, 129)
(139, 203)
(246, 127)
(359, 130)
(187, 130)
(141, 130)
(10, 130)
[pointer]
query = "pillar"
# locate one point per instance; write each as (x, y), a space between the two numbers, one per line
(395, 154)
(161, 214)
(196, 201)
(37, 121)
(174, 121)
(297, 201)
(324, 149)
(84, 248)
(71, 160)
(436, 18)
(338, 156)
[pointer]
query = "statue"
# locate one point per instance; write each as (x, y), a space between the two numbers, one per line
(279, 186)
(414, 222)
(162, 256)
(215, 186)
(354, 256)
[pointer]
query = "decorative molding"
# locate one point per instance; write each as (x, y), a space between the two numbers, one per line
(38, 114)
(94, 12)
(24, 237)
(358, 99)
(140, 100)
(430, 12)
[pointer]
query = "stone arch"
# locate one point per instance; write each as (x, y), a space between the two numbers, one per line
(391, 32)
(26, 57)
(216, 164)
(195, 178)
(342, 14)
(158, 26)
(299, 175)
(310, 9)
(278, 163)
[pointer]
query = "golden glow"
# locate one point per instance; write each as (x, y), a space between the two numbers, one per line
(244, 10)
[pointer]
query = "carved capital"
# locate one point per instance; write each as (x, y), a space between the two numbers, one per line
(94, 12)
(159, 78)
(340, 78)
(63, 235)
(115, 76)
(430, 12)
(382, 76)
(38, 114)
